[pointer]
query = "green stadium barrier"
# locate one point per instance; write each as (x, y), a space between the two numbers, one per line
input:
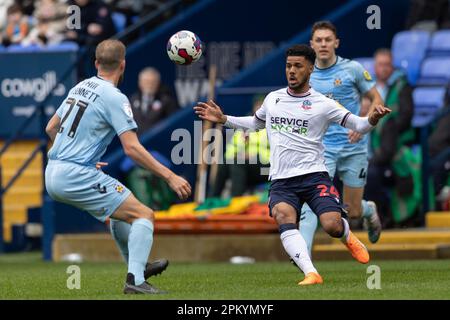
(150, 189)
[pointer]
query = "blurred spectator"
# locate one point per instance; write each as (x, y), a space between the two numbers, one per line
(42, 35)
(439, 148)
(4, 5)
(393, 167)
(51, 23)
(96, 23)
(151, 5)
(428, 15)
(17, 26)
(134, 7)
(243, 174)
(130, 8)
(27, 6)
(53, 12)
(153, 102)
(396, 129)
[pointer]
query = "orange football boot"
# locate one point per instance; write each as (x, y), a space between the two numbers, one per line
(311, 278)
(357, 248)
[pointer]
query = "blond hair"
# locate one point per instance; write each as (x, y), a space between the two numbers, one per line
(109, 54)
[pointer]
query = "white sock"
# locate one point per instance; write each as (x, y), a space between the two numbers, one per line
(344, 237)
(308, 225)
(295, 246)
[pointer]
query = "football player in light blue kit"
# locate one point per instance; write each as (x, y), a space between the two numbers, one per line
(92, 114)
(346, 151)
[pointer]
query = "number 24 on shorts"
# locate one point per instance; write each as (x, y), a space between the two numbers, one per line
(326, 191)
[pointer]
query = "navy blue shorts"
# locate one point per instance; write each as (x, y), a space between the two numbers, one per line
(316, 189)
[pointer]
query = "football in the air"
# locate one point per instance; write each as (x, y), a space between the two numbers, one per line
(184, 47)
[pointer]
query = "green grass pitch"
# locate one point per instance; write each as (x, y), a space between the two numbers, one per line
(26, 276)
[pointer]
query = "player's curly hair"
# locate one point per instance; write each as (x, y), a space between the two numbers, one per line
(302, 50)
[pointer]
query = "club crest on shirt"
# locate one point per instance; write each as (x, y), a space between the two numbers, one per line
(127, 109)
(306, 105)
(367, 75)
(337, 82)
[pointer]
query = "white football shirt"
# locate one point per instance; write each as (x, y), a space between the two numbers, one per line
(295, 126)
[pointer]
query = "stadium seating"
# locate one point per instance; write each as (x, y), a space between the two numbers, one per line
(63, 46)
(440, 44)
(368, 64)
(435, 71)
(408, 50)
(427, 100)
(120, 21)
(21, 48)
(26, 192)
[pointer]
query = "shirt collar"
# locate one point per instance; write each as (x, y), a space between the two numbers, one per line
(298, 95)
(335, 62)
(104, 79)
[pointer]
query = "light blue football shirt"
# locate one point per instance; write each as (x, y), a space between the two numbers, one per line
(93, 112)
(345, 81)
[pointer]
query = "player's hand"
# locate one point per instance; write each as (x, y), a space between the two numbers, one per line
(354, 136)
(181, 187)
(377, 113)
(99, 165)
(210, 111)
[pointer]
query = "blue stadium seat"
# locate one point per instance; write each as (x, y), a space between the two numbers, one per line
(440, 44)
(435, 71)
(408, 50)
(368, 64)
(21, 48)
(120, 21)
(63, 46)
(427, 101)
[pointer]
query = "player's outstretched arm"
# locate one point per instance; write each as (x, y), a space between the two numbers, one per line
(212, 112)
(53, 127)
(134, 149)
(364, 125)
(378, 112)
(375, 99)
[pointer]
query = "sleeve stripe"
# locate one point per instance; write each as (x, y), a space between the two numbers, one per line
(344, 120)
(259, 118)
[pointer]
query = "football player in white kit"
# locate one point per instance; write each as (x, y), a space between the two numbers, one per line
(346, 152)
(296, 119)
